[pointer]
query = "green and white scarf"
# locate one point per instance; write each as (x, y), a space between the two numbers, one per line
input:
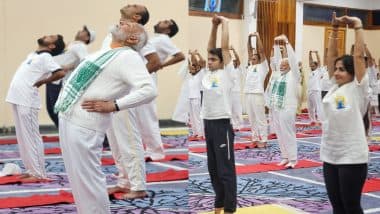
(81, 79)
(277, 97)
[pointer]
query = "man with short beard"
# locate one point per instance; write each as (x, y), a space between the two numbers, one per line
(75, 53)
(37, 69)
(106, 81)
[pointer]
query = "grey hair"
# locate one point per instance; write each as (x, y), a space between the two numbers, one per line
(118, 34)
(143, 38)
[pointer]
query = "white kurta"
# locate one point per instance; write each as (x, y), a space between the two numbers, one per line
(82, 133)
(284, 110)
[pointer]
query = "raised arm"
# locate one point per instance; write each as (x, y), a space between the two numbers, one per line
(325, 57)
(225, 40)
(249, 47)
(369, 56)
(310, 57)
(260, 47)
(359, 49)
(332, 49)
(318, 59)
(236, 56)
(214, 29)
(201, 60)
(277, 56)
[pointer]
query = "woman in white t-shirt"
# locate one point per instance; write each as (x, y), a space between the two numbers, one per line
(344, 149)
(254, 92)
(216, 112)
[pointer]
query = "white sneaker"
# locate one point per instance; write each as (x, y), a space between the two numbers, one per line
(283, 162)
(291, 164)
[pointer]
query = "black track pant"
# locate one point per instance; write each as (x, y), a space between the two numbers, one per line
(52, 92)
(221, 162)
(344, 184)
(323, 93)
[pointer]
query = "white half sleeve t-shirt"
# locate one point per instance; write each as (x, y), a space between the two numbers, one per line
(254, 81)
(315, 79)
(194, 84)
(164, 46)
(343, 136)
(37, 66)
(217, 87)
(236, 75)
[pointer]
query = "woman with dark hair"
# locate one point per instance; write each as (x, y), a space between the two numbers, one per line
(344, 149)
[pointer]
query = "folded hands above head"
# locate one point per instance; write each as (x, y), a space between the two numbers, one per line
(351, 21)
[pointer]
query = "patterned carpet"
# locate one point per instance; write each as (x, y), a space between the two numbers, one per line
(302, 189)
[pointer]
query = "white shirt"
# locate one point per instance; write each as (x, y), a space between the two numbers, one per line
(292, 79)
(372, 74)
(194, 84)
(236, 76)
(326, 83)
(315, 79)
(116, 81)
(164, 46)
(35, 67)
(76, 52)
(254, 81)
(343, 136)
(217, 87)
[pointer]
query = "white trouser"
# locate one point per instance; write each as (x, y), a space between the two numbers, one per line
(127, 150)
(81, 152)
(29, 140)
(314, 104)
(284, 122)
(237, 111)
(147, 122)
(256, 114)
(195, 116)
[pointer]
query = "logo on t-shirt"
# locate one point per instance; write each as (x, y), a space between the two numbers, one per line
(340, 102)
(214, 82)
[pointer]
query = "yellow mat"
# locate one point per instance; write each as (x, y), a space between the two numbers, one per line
(265, 209)
(375, 138)
(174, 132)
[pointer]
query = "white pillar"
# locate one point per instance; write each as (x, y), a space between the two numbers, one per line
(299, 29)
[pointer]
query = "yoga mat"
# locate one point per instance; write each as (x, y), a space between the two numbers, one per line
(264, 209)
(15, 179)
(265, 167)
(372, 185)
(169, 157)
(37, 200)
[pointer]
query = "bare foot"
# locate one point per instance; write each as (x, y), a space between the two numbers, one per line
(31, 179)
(218, 210)
(261, 145)
(24, 175)
(283, 162)
(135, 194)
(116, 189)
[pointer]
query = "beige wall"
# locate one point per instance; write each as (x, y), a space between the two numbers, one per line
(23, 22)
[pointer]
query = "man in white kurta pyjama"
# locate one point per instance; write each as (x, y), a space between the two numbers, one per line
(283, 104)
(82, 131)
